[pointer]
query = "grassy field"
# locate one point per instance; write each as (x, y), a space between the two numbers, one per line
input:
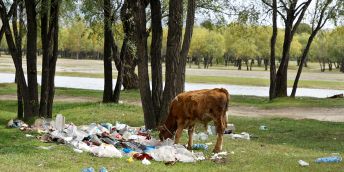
(277, 149)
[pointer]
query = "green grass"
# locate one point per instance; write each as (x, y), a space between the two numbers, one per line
(277, 149)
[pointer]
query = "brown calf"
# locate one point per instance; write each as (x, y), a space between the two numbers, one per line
(197, 106)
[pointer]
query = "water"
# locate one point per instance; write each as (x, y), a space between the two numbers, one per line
(98, 84)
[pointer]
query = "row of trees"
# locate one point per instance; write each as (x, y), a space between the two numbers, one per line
(236, 43)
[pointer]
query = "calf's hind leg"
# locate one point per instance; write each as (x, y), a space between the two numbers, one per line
(221, 124)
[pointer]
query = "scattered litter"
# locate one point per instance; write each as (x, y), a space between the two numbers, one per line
(199, 156)
(200, 136)
(145, 162)
(263, 127)
(211, 130)
(232, 152)
(330, 159)
(130, 160)
(77, 150)
(45, 147)
(89, 169)
(303, 163)
(231, 127)
(39, 165)
(219, 158)
(103, 169)
(29, 135)
(200, 147)
(113, 141)
(107, 151)
(16, 123)
(60, 122)
(243, 135)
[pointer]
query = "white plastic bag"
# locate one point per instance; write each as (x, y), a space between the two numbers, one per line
(164, 153)
(107, 151)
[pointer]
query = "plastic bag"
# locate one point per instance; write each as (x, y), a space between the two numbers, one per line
(183, 155)
(108, 151)
(164, 153)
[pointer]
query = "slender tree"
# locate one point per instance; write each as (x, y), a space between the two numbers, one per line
(107, 93)
(292, 13)
(272, 91)
(322, 13)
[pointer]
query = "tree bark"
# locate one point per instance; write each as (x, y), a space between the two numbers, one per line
(190, 18)
(54, 24)
(31, 58)
(290, 29)
(49, 36)
(272, 89)
(130, 79)
(175, 24)
(43, 110)
(107, 93)
(156, 61)
(18, 41)
(20, 78)
(303, 60)
(142, 54)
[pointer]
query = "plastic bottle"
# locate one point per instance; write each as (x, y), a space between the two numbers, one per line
(200, 147)
(60, 122)
(329, 159)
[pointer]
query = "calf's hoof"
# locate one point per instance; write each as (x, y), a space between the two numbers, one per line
(217, 150)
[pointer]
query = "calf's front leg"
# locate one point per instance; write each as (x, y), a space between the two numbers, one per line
(190, 133)
(179, 133)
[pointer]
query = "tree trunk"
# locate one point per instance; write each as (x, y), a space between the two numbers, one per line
(49, 35)
(190, 18)
(302, 62)
(120, 68)
(31, 58)
(54, 31)
(329, 65)
(130, 79)
(175, 25)
(107, 93)
(20, 78)
(18, 41)
(272, 89)
(156, 64)
(142, 54)
(43, 110)
(239, 64)
(290, 29)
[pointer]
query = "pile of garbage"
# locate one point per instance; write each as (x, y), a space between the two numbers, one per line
(113, 141)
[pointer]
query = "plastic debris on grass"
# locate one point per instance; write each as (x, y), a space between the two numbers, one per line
(303, 163)
(112, 141)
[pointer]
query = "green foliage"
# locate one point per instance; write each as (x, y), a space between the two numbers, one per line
(206, 43)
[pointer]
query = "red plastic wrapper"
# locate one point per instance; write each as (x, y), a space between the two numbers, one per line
(141, 156)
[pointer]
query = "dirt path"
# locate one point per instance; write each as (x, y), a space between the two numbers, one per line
(321, 114)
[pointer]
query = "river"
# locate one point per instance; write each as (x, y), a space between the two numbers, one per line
(98, 84)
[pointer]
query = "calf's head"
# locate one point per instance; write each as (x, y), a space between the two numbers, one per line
(165, 133)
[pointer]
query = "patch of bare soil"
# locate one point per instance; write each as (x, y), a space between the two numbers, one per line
(321, 114)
